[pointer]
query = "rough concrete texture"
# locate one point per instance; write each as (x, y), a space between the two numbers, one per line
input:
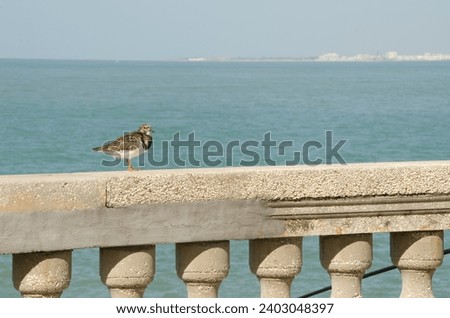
(417, 250)
(58, 192)
(203, 266)
(119, 189)
(346, 258)
(280, 183)
(127, 270)
(38, 275)
(276, 258)
(417, 255)
(224, 204)
(275, 262)
(346, 253)
(376, 224)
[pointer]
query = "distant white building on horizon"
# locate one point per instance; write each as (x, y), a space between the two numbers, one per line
(329, 57)
(388, 56)
(392, 55)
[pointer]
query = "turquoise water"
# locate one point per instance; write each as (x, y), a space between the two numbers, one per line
(54, 112)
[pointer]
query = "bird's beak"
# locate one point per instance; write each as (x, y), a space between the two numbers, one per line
(152, 130)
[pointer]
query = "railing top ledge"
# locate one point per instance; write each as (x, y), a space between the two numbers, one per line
(75, 191)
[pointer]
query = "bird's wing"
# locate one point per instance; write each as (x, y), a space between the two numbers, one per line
(129, 141)
(132, 141)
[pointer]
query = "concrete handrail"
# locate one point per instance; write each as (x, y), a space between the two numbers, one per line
(107, 209)
(44, 217)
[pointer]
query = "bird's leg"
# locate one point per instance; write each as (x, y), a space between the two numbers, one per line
(128, 163)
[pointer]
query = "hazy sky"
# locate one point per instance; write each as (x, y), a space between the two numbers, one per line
(167, 29)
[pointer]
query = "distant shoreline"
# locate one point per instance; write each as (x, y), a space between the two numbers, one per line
(332, 57)
(328, 57)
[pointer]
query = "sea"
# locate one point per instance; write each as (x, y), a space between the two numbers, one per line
(53, 112)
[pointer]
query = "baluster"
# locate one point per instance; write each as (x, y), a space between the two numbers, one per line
(42, 274)
(127, 270)
(346, 258)
(275, 262)
(417, 255)
(203, 266)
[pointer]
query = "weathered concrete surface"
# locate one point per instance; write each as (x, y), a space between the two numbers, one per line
(63, 192)
(58, 192)
(346, 258)
(275, 262)
(192, 205)
(280, 183)
(203, 266)
(127, 270)
(193, 222)
(38, 275)
(160, 223)
(417, 255)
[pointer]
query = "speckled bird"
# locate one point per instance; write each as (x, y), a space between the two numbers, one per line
(129, 145)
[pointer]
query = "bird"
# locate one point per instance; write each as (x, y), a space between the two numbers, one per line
(129, 145)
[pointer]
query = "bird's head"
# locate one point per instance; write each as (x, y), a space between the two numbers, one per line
(145, 129)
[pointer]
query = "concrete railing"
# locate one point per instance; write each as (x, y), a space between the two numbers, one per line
(44, 217)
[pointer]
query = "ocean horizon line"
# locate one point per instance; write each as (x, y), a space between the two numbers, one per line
(391, 56)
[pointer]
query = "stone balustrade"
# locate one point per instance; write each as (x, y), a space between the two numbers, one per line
(44, 217)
